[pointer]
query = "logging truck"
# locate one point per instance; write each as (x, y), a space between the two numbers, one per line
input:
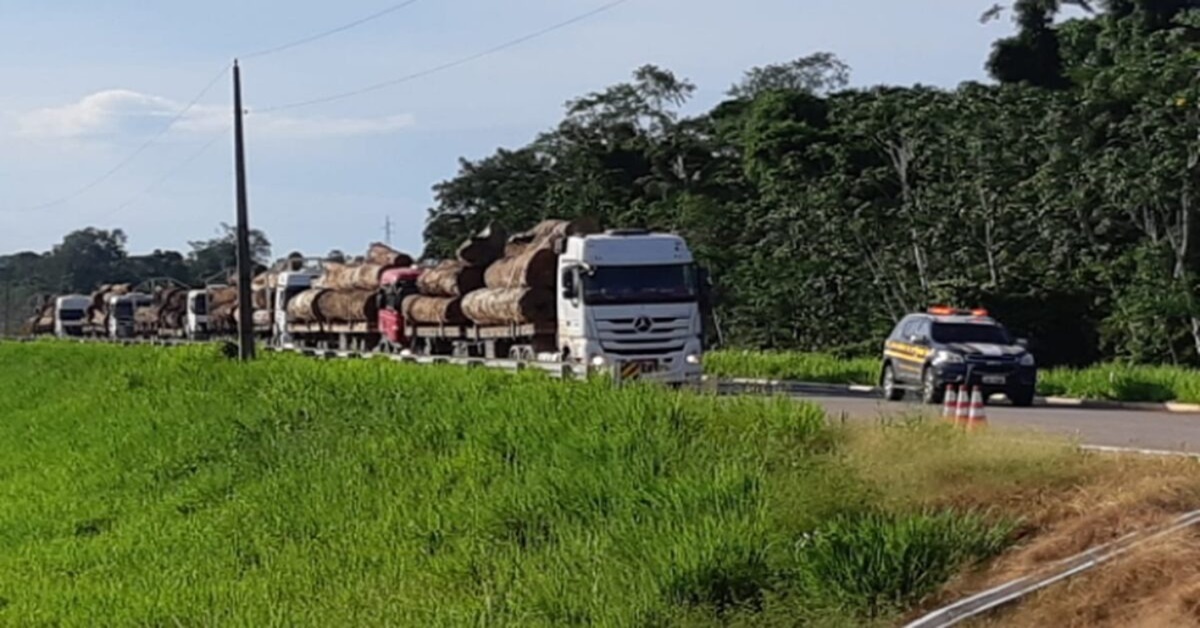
(626, 299)
(122, 312)
(70, 316)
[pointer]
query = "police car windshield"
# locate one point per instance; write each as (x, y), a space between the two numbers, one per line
(950, 333)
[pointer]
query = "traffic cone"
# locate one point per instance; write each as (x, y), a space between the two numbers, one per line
(962, 410)
(978, 415)
(950, 407)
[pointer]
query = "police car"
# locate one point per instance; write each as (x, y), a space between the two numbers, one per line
(930, 351)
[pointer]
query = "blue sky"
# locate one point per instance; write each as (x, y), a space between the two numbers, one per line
(88, 82)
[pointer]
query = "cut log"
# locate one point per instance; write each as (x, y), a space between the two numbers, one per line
(483, 248)
(221, 296)
(348, 306)
(535, 268)
(451, 278)
(548, 233)
(346, 277)
(433, 310)
(384, 255)
(302, 308)
(505, 306)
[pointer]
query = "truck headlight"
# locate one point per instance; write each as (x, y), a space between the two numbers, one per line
(598, 361)
(692, 358)
(947, 357)
(1027, 360)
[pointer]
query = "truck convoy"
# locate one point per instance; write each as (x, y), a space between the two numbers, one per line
(563, 292)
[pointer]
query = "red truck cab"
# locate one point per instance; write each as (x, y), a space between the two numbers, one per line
(395, 284)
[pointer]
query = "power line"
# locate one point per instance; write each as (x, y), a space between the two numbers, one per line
(138, 151)
(333, 31)
(166, 176)
(194, 101)
(446, 66)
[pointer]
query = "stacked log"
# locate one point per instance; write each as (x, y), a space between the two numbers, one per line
(303, 307)
(504, 306)
(548, 233)
(496, 280)
(348, 306)
(483, 248)
(222, 296)
(261, 318)
(535, 267)
(433, 310)
(381, 254)
(350, 277)
(451, 278)
(97, 311)
(172, 307)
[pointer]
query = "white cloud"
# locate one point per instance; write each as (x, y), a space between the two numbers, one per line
(120, 112)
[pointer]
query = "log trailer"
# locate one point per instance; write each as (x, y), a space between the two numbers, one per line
(384, 331)
(627, 300)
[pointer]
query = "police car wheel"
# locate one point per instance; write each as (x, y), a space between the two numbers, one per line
(931, 393)
(891, 391)
(1022, 398)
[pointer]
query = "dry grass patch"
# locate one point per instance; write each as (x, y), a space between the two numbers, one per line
(1064, 501)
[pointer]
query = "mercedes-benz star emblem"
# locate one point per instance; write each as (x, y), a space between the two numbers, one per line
(643, 324)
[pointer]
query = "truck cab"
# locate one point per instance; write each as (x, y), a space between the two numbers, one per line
(121, 311)
(290, 284)
(196, 322)
(629, 300)
(70, 314)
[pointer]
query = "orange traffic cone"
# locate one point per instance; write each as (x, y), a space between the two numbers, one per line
(978, 414)
(950, 407)
(962, 409)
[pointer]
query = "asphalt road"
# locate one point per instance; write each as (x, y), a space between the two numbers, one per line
(1108, 428)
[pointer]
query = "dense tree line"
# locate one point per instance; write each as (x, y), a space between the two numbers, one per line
(90, 257)
(1063, 197)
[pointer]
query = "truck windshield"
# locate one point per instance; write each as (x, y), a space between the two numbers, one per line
(674, 283)
(950, 333)
(70, 315)
(124, 311)
(200, 305)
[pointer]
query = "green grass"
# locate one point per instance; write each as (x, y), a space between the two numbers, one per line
(1114, 382)
(151, 486)
(807, 367)
(1123, 382)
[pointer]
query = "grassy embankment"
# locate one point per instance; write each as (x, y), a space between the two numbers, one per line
(143, 486)
(1115, 382)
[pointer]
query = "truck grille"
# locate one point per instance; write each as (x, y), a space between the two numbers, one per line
(647, 337)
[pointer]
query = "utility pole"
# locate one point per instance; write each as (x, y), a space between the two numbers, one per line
(244, 262)
(387, 230)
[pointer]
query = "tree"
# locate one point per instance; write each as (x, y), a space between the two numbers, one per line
(817, 74)
(215, 256)
(87, 258)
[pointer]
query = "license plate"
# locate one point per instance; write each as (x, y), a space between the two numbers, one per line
(648, 366)
(994, 379)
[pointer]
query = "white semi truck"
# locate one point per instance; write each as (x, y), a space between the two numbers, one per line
(70, 316)
(628, 301)
(121, 312)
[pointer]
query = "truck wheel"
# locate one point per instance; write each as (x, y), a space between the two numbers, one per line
(931, 393)
(891, 390)
(1022, 397)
